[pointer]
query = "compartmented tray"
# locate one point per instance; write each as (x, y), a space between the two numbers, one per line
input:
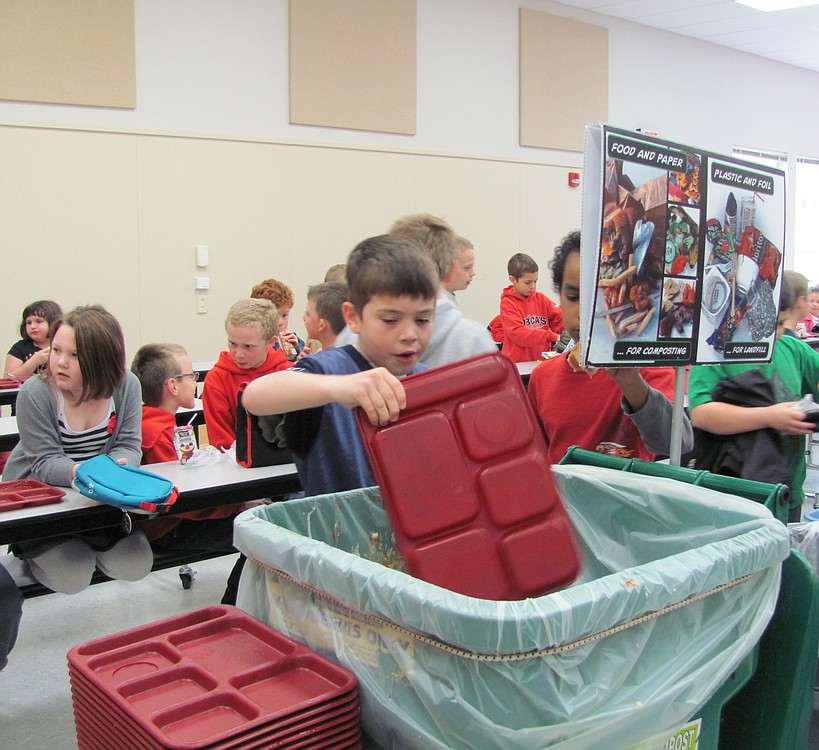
(213, 678)
(25, 493)
(465, 479)
(6, 383)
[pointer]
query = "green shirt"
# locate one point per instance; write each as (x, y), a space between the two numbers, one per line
(794, 372)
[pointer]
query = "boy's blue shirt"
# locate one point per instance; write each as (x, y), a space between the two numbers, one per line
(326, 443)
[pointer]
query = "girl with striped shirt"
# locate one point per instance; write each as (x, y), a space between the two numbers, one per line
(87, 403)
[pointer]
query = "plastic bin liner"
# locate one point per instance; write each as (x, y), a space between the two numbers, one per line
(805, 538)
(677, 586)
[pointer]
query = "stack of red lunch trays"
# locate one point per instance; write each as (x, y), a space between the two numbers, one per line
(212, 679)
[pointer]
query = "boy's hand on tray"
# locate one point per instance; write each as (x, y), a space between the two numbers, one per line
(377, 391)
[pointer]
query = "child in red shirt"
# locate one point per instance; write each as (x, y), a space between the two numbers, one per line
(532, 323)
(168, 382)
(623, 412)
(252, 328)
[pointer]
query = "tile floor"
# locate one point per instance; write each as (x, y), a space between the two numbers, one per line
(35, 696)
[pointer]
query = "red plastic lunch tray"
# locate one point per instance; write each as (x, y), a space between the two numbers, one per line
(465, 480)
(6, 383)
(211, 679)
(25, 493)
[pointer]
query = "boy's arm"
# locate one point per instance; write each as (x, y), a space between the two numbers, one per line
(650, 408)
(515, 331)
(377, 391)
(728, 419)
(218, 411)
(555, 317)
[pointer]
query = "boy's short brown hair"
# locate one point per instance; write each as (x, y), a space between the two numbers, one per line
(392, 265)
(329, 298)
(520, 264)
(434, 236)
(100, 349)
(153, 364)
(247, 312)
(277, 292)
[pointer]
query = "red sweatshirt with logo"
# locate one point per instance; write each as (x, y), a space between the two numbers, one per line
(530, 324)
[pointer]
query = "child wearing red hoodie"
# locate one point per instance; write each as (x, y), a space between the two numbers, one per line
(252, 326)
(168, 382)
(532, 323)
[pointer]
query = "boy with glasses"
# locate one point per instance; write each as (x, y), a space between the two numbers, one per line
(168, 383)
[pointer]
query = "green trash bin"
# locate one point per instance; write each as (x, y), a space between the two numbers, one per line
(677, 586)
(775, 497)
(768, 701)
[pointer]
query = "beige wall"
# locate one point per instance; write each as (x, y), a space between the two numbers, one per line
(115, 217)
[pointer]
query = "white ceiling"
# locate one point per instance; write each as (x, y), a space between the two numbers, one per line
(789, 36)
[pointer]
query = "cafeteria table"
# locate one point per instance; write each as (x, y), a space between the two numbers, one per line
(200, 487)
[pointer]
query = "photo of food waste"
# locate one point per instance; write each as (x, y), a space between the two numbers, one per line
(684, 187)
(740, 289)
(632, 248)
(677, 309)
(682, 241)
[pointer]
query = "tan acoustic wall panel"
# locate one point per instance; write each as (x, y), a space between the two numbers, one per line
(564, 80)
(353, 64)
(68, 52)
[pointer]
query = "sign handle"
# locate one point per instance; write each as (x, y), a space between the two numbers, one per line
(677, 415)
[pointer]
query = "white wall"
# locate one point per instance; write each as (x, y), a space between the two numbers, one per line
(218, 69)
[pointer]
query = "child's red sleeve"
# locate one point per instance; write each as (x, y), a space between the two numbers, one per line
(555, 318)
(162, 450)
(496, 329)
(220, 414)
